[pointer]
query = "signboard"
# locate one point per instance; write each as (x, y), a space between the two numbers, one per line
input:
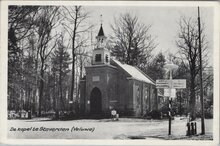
(113, 101)
(95, 78)
(167, 93)
(179, 84)
(162, 84)
(176, 83)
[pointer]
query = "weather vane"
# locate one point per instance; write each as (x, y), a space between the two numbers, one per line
(101, 19)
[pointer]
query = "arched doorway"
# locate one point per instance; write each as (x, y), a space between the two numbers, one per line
(95, 102)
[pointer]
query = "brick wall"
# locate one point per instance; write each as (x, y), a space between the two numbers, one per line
(106, 84)
(117, 91)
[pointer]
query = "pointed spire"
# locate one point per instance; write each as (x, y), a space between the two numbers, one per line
(101, 32)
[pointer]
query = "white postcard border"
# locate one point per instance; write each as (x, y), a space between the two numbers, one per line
(3, 75)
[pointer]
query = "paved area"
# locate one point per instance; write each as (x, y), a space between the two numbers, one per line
(125, 128)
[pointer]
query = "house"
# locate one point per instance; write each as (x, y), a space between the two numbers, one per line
(110, 84)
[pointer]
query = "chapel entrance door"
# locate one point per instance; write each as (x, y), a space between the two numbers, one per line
(95, 102)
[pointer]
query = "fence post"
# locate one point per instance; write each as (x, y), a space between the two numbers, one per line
(195, 128)
(192, 126)
(188, 133)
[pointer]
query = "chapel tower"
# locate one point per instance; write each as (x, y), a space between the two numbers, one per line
(109, 84)
(101, 54)
(100, 81)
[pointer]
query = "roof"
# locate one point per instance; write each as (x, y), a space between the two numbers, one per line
(101, 32)
(134, 72)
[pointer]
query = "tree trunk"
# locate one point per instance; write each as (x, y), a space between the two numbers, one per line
(55, 102)
(36, 82)
(61, 89)
(180, 110)
(73, 62)
(41, 88)
(80, 76)
(73, 80)
(29, 98)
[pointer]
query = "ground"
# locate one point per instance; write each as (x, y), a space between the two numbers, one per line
(125, 128)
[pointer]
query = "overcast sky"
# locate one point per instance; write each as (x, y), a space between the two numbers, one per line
(164, 21)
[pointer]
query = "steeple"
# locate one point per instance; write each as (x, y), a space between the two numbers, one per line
(101, 39)
(101, 54)
(101, 32)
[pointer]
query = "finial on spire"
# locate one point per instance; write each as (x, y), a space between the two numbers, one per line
(101, 19)
(101, 32)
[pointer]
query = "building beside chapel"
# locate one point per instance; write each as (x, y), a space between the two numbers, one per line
(110, 84)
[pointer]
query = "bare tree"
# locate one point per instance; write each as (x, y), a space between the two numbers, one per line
(20, 25)
(60, 67)
(75, 18)
(21, 21)
(83, 59)
(188, 44)
(131, 43)
(48, 18)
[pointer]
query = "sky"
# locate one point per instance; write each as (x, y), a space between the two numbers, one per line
(164, 21)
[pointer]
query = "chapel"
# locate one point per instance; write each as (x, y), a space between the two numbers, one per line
(110, 84)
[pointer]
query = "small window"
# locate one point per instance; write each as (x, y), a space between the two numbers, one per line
(106, 58)
(98, 58)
